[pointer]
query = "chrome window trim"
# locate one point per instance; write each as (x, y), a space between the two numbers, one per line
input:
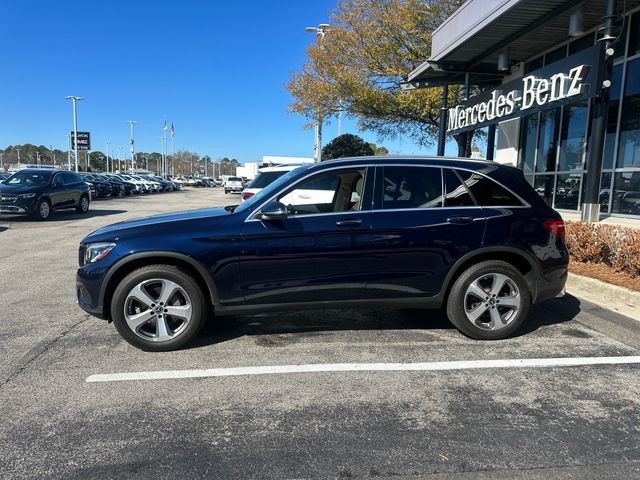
(368, 166)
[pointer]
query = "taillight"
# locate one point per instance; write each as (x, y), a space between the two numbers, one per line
(247, 195)
(555, 227)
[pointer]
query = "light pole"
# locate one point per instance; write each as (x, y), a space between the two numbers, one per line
(132, 142)
(320, 31)
(18, 158)
(162, 166)
(120, 160)
(68, 152)
(108, 143)
(75, 100)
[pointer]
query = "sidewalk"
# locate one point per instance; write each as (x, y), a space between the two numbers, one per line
(621, 300)
(619, 221)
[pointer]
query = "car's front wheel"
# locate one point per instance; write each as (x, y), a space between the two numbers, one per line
(83, 206)
(158, 308)
(43, 209)
(489, 300)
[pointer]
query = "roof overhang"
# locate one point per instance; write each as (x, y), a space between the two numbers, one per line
(471, 39)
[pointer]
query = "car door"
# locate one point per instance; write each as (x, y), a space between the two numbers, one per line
(319, 252)
(424, 219)
(59, 191)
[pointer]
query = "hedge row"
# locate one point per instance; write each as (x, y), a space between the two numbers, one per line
(617, 247)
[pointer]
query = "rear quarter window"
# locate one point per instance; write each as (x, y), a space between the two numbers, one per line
(486, 192)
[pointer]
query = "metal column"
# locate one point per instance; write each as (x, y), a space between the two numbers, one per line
(442, 132)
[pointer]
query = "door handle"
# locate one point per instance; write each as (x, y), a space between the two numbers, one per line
(348, 223)
(460, 220)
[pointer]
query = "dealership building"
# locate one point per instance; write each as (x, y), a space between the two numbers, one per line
(554, 86)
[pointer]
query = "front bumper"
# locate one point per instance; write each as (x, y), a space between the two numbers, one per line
(12, 209)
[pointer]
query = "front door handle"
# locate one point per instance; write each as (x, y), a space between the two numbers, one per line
(349, 223)
(460, 220)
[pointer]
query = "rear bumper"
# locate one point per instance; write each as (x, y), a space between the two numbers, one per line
(546, 289)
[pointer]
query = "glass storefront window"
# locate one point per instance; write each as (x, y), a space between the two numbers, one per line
(534, 64)
(572, 141)
(634, 35)
(544, 186)
(626, 193)
(629, 148)
(547, 141)
(528, 148)
(568, 191)
(605, 191)
(612, 118)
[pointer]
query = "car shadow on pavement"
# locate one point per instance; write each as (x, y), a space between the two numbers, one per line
(274, 327)
(62, 215)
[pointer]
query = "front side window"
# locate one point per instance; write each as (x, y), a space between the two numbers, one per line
(339, 191)
(411, 187)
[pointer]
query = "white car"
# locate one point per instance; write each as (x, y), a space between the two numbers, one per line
(266, 176)
(234, 185)
(140, 185)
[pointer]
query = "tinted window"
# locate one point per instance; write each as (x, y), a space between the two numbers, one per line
(488, 193)
(29, 178)
(71, 178)
(234, 179)
(411, 187)
(457, 194)
(265, 178)
(325, 193)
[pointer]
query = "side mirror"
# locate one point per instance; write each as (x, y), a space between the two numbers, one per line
(274, 211)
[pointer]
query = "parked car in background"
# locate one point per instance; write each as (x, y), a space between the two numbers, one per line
(234, 185)
(102, 186)
(128, 187)
(141, 186)
(471, 236)
(38, 192)
(264, 178)
(92, 190)
(165, 185)
(117, 186)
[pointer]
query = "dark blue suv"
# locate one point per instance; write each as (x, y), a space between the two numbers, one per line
(468, 235)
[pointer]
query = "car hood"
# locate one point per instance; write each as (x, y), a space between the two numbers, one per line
(119, 229)
(4, 188)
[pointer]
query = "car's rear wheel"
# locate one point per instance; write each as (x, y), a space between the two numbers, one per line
(489, 300)
(43, 209)
(158, 308)
(83, 206)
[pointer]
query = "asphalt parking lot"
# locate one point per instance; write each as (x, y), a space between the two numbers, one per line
(439, 420)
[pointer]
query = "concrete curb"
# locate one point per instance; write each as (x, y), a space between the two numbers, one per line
(619, 299)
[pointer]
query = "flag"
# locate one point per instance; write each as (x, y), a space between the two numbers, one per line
(172, 130)
(165, 125)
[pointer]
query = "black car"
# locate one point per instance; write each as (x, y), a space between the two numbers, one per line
(128, 187)
(470, 236)
(102, 186)
(3, 177)
(40, 191)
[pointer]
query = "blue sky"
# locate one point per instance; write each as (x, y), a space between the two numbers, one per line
(216, 69)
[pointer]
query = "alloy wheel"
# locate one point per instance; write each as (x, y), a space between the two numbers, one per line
(492, 301)
(44, 209)
(158, 310)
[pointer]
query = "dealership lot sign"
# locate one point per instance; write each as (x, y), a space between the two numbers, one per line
(572, 79)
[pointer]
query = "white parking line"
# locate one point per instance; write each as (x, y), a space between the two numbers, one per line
(366, 367)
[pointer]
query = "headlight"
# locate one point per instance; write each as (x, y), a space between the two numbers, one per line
(27, 195)
(97, 251)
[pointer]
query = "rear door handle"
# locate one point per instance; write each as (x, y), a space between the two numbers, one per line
(349, 223)
(460, 220)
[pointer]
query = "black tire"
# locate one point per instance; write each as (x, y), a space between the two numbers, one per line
(226, 192)
(42, 213)
(485, 271)
(83, 204)
(174, 274)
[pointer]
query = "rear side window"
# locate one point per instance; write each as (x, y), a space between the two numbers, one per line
(458, 194)
(411, 187)
(486, 192)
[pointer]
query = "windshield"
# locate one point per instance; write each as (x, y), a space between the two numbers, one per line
(269, 190)
(266, 178)
(29, 178)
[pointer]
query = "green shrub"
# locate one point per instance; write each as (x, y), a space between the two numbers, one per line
(617, 247)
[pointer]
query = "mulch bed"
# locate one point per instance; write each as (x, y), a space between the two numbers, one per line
(605, 274)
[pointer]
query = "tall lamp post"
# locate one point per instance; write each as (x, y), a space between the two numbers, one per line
(75, 100)
(320, 31)
(132, 141)
(108, 169)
